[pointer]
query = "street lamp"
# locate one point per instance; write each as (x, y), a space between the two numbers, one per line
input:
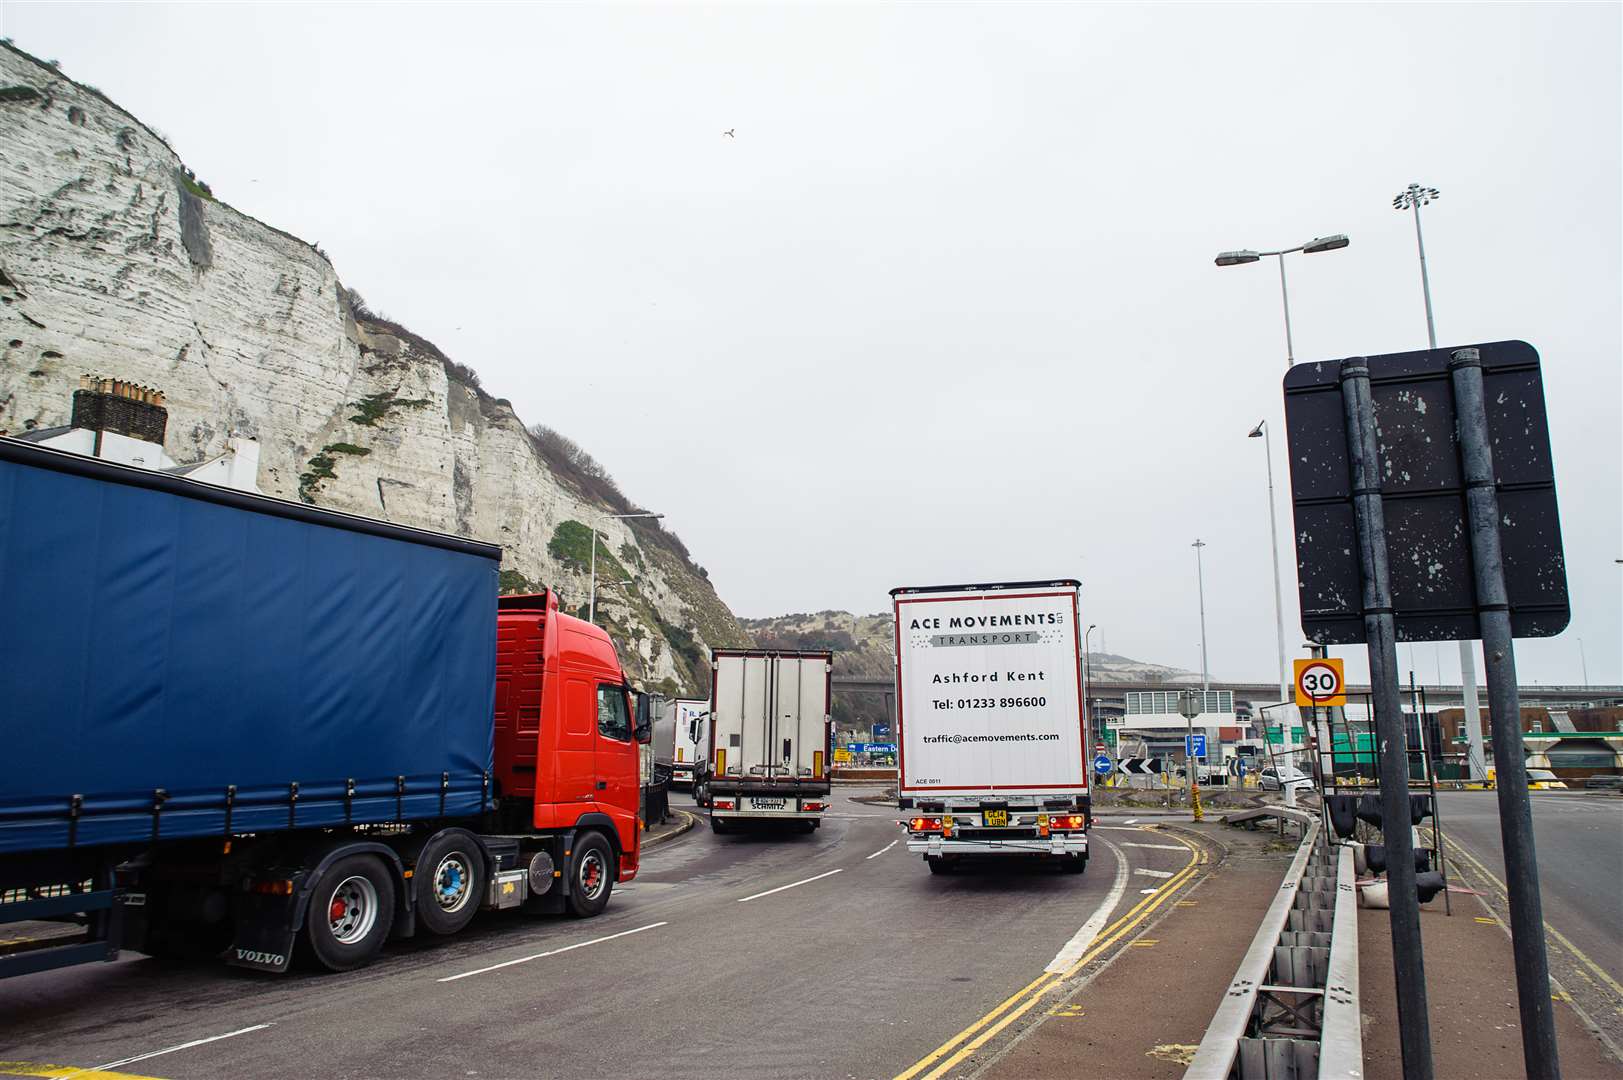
(1285, 696)
(591, 603)
(1334, 242)
(1200, 579)
(1413, 198)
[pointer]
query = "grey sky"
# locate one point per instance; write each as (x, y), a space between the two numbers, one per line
(945, 308)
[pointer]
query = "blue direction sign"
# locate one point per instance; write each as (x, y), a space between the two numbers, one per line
(881, 731)
(1195, 745)
(1239, 768)
(871, 747)
(1101, 765)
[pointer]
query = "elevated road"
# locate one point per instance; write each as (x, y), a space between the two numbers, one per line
(1112, 695)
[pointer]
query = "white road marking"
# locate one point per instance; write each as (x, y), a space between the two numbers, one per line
(1073, 949)
(1132, 821)
(792, 884)
(1152, 873)
(1149, 892)
(166, 1050)
(881, 851)
(1157, 847)
(552, 952)
(1117, 828)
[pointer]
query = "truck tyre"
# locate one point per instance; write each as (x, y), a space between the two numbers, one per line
(1074, 864)
(720, 826)
(809, 826)
(937, 864)
(351, 911)
(591, 875)
(449, 881)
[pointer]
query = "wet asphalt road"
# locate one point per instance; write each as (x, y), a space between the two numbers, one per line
(1578, 839)
(857, 973)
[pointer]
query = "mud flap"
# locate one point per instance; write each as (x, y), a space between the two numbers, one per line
(265, 933)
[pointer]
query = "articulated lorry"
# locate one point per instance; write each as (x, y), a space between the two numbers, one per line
(769, 748)
(993, 747)
(264, 728)
(691, 720)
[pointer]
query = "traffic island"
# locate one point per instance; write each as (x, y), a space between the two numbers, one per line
(680, 823)
(1142, 1010)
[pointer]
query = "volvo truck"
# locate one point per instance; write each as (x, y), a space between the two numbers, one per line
(990, 726)
(769, 744)
(267, 729)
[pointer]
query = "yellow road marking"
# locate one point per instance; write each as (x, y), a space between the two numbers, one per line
(1022, 1000)
(1144, 943)
(1583, 957)
(1484, 919)
(51, 1072)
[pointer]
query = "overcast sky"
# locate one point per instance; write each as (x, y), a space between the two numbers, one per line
(944, 309)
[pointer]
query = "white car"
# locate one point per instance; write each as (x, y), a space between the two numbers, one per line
(1273, 779)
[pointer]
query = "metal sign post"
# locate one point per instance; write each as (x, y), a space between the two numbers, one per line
(1380, 629)
(1504, 715)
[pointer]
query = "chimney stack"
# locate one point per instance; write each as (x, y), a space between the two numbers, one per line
(123, 407)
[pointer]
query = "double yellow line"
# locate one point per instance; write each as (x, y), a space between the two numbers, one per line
(1595, 973)
(943, 1058)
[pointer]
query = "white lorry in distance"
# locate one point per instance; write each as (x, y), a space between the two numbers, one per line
(768, 751)
(691, 717)
(990, 727)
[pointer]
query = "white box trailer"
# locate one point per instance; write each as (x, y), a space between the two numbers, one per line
(769, 748)
(991, 731)
(691, 717)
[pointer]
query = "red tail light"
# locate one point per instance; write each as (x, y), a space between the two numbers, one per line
(813, 806)
(925, 824)
(1070, 821)
(721, 804)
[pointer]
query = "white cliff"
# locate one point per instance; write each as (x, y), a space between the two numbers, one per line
(113, 262)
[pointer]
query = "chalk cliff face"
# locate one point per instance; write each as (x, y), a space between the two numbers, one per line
(113, 261)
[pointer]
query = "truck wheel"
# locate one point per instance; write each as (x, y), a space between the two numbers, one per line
(809, 826)
(449, 881)
(591, 873)
(1075, 864)
(350, 914)
(937, 864)
(720, 826)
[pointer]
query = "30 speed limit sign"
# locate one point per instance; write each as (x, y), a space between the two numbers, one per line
(1320, 682)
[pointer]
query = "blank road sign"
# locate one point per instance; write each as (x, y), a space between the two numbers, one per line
(1423, 497)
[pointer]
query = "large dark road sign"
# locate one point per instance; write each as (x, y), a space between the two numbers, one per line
(1423, 497)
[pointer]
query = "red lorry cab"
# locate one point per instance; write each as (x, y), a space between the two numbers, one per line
(564, 717)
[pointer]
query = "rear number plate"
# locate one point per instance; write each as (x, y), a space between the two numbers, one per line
(767, 804)
(997, 817)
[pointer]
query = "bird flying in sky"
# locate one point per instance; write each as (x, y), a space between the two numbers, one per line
(728, 134)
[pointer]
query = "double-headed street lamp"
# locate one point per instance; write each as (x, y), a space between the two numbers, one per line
(1312, 247)
(591, 603)
(1334, 242)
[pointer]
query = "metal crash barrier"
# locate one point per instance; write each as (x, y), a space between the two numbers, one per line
(1291, 1011)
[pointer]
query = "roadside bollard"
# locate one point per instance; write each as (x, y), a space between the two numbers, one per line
(1194, 801)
